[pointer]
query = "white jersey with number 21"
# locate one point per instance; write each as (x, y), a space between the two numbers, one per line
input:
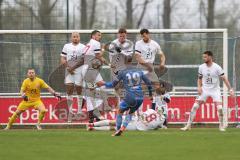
(148, 50)
(210, 76)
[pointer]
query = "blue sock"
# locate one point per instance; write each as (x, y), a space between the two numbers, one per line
(119, 121)
(127, 119)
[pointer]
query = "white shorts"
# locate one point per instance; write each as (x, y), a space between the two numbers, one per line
(76, 78)
(93, 103)
(214, 94)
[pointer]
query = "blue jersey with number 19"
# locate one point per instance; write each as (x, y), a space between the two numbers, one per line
(132, 79)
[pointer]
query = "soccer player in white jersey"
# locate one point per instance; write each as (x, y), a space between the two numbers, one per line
(162, 100)
(118, 50)
(209, 86)
(92, 55)
(148, 120)
(72, 59)
(145, 51)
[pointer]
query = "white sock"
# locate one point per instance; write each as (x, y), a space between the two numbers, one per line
(192, 114)
(97, 113)
(70, 102)
(154, 99)
(220, 115)
(102, 123)
(79, 101)
(104, 128)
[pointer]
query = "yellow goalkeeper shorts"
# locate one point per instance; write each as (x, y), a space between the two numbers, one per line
(24, 105)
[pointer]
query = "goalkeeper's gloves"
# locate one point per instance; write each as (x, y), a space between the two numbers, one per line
(25, 98)
(57, 96)
(118, 49)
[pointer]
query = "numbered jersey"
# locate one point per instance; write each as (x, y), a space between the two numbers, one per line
(148, 50)
(32, 88)
(210, 76)
(132, 80)
(118, 59)
(149, 119)
(92, 48)
(72, 52)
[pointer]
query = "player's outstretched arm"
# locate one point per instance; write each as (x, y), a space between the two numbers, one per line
(111, 84)
(55, 94)
(227, 83)
(115, 82)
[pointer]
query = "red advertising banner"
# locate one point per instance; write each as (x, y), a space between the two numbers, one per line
(178, 111)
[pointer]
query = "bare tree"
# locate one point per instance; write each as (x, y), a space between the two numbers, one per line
(129, 13)
(84, 18)
(84, 13)
(210, 16)
(166, 14)
(167, 24)
(146, 2)
(93, 11)
(1, 2)
(43, 16)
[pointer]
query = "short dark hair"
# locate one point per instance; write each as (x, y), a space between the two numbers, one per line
(144, 30)
(209, 53)
(95, 32)
(122, 30)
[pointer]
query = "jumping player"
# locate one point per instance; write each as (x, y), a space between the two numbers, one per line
(146, 50)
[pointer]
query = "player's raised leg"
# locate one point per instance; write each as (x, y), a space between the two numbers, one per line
(13, 118)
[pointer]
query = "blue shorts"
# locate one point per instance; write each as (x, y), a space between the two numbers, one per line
(124, 106)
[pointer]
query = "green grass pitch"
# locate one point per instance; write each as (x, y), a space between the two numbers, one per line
(71, 144)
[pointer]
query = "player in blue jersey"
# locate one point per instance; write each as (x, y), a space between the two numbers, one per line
(132, 82)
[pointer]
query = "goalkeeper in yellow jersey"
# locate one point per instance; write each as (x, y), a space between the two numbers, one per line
(30, 92)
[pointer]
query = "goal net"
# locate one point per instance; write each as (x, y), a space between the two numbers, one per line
(183, 48)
